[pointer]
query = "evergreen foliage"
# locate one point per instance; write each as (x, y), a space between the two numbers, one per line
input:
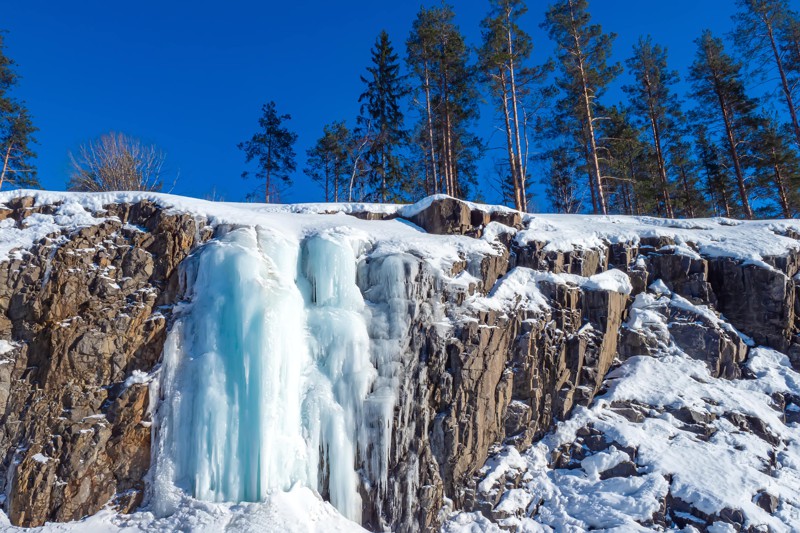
(382, 109)
(16, 130)
(272, 149)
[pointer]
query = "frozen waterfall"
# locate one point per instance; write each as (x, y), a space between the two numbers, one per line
(270, 377)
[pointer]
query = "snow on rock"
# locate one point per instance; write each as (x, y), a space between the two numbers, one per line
(517, 289)
(6, 346)
(610, 280)
(667, 446)
(285, 359)
(746, 241)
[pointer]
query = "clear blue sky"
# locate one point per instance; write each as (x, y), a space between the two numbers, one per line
(192, 76)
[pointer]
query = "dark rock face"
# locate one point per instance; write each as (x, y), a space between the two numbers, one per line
(759, 301)
(84, 311)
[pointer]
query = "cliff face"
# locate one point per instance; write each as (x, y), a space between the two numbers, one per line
(85, 311)
(495, 351)
(505, 376)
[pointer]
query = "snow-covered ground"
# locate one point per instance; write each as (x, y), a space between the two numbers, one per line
(665, 428)
(299, 510)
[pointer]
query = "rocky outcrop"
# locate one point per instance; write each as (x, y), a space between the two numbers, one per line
(85, 313)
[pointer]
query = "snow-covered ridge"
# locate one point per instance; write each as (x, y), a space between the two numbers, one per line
(714, 237)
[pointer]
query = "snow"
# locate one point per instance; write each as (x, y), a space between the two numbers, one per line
(298, 510)
(519, 288)
(611, 280)
(745, 241)
(409, 211)
(596, 464)
(6, 346)
(138, 377)
(725, 471)
(499, 465)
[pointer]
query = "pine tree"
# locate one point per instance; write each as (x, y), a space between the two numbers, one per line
(328, 160)
(778, 169)
(758, 35)
(583, 52)
(720, 94)
(502, 57)
(272, 148)
(16, 131)
(421, 59)
(653, 101)
(381, 106)
(439, 57)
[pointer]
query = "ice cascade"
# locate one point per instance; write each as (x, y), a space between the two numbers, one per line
(270, 378)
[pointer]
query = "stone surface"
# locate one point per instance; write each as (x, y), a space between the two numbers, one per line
(89, 309)
(86, 311)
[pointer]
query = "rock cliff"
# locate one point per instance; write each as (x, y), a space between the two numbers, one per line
(497, 349)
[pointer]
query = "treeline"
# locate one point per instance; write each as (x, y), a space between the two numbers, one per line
(731, 149)
(725, 152)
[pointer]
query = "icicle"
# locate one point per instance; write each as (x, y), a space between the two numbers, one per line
(275, 374)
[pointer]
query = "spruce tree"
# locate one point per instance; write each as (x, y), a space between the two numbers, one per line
(583, 50)
(654, 103)
(381, 107)
(272, 149)
(715, 172)
(16, 131)
(440, 58)
(719, 91)
(688, 200)
(628, 166)
(328, 160)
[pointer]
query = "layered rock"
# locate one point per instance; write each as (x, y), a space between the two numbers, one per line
(87, 314)
(86, 311)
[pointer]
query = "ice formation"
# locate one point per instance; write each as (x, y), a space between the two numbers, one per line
(270, 378)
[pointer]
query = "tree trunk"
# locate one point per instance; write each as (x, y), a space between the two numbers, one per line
(787, 92)
(662, 166)
(6, 159)
(430, 130)
(737, 165)
(327, 182)
(596, 177)
(521, 177)
(588, 169)
(512, 160)
(781, 186)
(267, 171)
(687, 192)
(449, 166)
